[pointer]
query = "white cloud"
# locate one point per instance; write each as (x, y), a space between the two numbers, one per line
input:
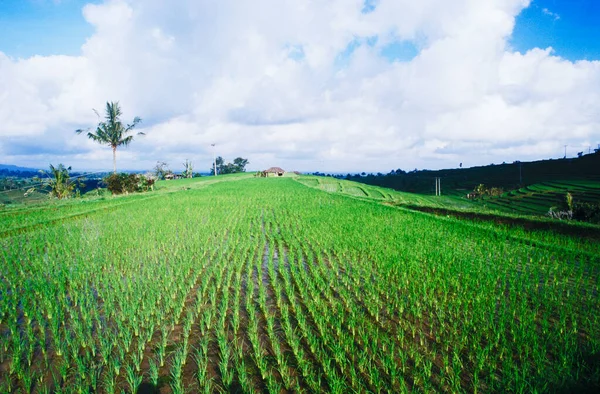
(263, 80)
(551, 14)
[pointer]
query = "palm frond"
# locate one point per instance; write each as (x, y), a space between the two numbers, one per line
(94, 137)
(126, 141)
(113, 111)
(102, 133)
(136, 121)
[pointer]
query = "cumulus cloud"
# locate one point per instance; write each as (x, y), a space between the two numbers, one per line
(301, 85)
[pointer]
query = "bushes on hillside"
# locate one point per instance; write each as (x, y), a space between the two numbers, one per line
(128, 183)
(571, 209)
(586, 212)
(482, 190)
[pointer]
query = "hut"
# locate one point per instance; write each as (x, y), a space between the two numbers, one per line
(275, 171)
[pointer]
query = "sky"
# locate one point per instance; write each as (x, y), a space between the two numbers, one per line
(308, 85)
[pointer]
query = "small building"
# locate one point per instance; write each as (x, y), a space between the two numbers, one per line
(275, 171)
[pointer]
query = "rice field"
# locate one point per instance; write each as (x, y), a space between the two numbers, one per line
(538, 198)
(257, 285)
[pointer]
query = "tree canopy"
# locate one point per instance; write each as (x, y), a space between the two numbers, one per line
(239, 165)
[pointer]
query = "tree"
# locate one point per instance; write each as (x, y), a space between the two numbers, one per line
(189, 170)
(239, 164)
(60, 183)
(219, 163)
(111, 131)
(161, 170)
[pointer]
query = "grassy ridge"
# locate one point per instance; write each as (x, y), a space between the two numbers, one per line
(264, 285)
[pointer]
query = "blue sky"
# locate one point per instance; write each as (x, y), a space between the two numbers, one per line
(570, 27)
(392, 51)
(42, 27)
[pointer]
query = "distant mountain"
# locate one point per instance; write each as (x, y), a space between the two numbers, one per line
(10, 167)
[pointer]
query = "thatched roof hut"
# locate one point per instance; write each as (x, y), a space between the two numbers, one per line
(277, 171)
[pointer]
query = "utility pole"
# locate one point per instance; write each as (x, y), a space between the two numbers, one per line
(214, 158)
(520, 174)
(438, 186)
(565, 151)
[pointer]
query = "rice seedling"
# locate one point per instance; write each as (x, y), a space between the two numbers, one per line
(132, 378)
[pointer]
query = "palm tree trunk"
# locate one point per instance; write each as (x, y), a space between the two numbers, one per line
(114, 148)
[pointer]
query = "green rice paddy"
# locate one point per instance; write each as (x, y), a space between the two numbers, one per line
(298, 284)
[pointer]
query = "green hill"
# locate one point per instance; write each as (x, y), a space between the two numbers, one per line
(507, 176)
(530, 188)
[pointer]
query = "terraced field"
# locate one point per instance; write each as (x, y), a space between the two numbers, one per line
(289, 285)
(348, 188)
(537, 199)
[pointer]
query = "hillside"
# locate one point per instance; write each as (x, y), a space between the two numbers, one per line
(539, 197)
(528, 188)
(458, 182)
(13, 168)
(11, 171)
(295, 284)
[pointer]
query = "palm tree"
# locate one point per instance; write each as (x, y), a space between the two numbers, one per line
(112, 131)
(60, 184)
